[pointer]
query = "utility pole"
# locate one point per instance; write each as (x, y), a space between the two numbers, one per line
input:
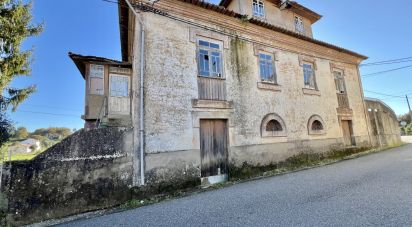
(410, 112)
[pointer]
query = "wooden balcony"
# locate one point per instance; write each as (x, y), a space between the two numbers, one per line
(211, 88)
(343, 100)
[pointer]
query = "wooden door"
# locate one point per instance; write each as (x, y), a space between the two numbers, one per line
(347, 132)
(213, 148)
(119, 99)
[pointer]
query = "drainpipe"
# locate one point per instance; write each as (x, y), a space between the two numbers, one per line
(142, 62)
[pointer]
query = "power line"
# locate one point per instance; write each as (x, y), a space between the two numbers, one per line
(149, 8)
(165, 14)
(54, 107)
(388, 61)
(386, 71)
(379, 93)
(47, 113)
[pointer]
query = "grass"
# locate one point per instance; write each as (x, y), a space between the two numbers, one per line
(299, 162)
(16, 157)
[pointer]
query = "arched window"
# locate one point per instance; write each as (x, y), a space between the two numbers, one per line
(273, 126)
(316, 126)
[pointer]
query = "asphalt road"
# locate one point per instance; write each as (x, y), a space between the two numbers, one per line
(375, 190)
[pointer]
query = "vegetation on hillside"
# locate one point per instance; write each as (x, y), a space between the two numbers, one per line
(47, 137)
(406, 130)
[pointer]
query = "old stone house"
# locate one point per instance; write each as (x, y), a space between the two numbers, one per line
(201, 92)
(206, 87)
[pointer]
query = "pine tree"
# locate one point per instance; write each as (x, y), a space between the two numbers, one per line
(15, 27)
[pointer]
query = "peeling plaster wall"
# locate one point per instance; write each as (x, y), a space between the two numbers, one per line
(172, 123)
(384, 124)
(273, 15)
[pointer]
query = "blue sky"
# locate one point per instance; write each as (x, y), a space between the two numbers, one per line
(90, 27)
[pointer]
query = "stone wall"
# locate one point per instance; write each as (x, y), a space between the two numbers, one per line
(89, 170)
(384, 125)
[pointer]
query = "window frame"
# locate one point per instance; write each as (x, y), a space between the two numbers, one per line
(128, 85)
(311, 120)
(309, 86)
(341, 79)
(299, 25)
(95, 76)
(272, 61)
(268, 134)
(209, 50)
(258, 8)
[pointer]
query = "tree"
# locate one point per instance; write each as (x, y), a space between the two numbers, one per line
(408, 129)
(52, 133)
(405, 117)
(21, 133)
(15, 27)
(5, 129)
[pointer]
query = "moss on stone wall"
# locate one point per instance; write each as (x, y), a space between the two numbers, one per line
(303, 160)
(89, 170)
(238, 51)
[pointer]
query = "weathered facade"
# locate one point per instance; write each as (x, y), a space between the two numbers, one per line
(384, 125)
(211, 87)
(201, 90)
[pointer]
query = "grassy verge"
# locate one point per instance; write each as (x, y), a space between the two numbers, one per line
(4, 153)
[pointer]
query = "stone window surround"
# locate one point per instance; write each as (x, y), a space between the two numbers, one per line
(257, 49)
(265, 121)
(335, 67)
(308, 59)
(195, 34)
(310, 122)
(311, 60)
(258, 3)
(303, 26)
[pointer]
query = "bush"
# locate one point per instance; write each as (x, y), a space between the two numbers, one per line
(408, 130)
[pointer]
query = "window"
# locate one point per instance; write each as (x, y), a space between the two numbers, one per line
(299, 26)
(316, 125)
(267, 69)
(309, 76)
(119, 86)
(210, 59)
(96, 80)
(339, 82)
(273, 126)
(258, 8)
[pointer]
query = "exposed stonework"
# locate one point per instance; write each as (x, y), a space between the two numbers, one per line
(384, 126)
(91, 169)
